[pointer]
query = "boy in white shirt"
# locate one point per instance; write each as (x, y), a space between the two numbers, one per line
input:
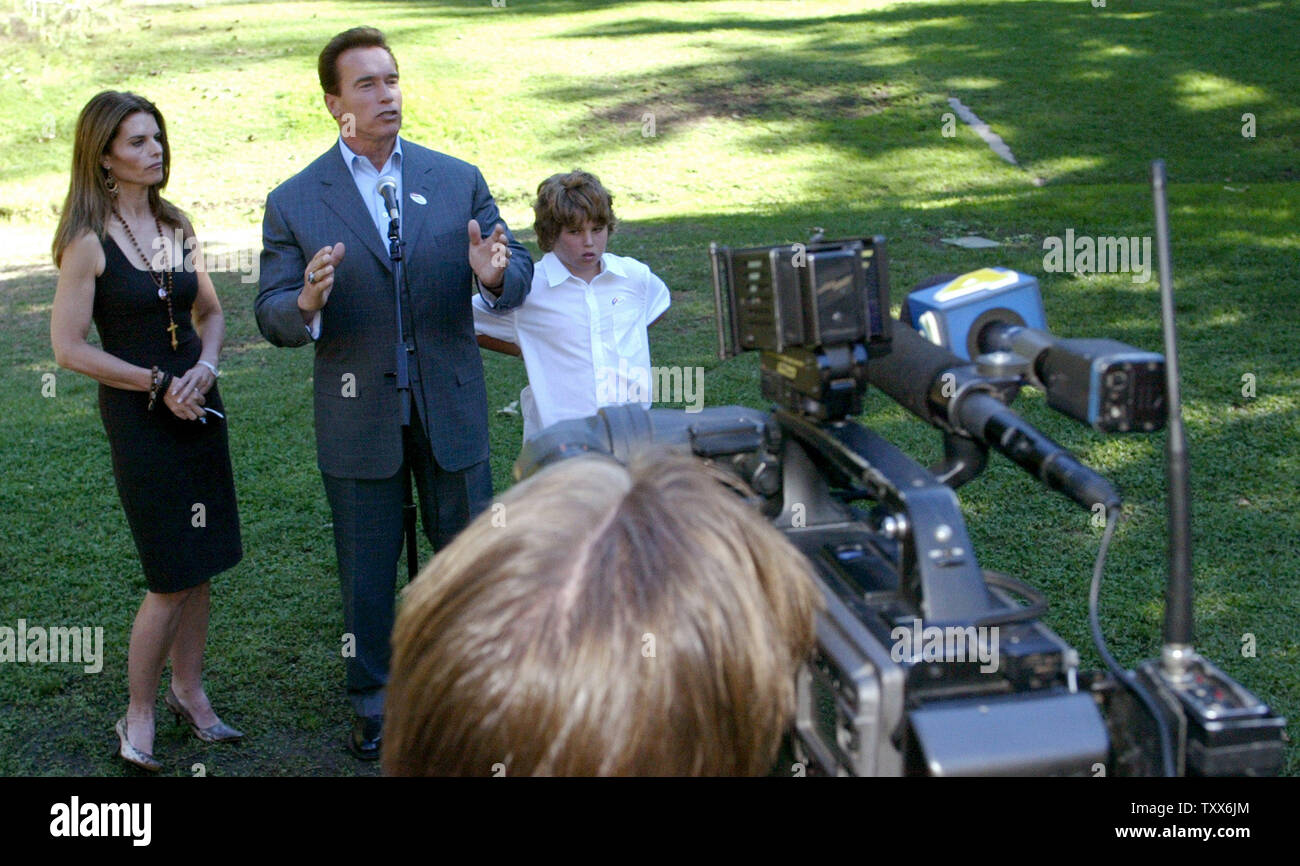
(582, 332)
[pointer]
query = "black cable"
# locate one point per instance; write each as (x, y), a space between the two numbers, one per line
(1128, 679)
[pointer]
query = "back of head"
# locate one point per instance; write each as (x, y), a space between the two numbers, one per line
(602, 620)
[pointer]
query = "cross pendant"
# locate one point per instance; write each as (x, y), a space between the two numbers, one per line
(172, 329)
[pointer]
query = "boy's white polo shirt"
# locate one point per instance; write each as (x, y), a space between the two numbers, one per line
(584, 344)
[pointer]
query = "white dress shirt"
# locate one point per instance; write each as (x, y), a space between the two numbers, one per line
(367, 178)
(584, 344)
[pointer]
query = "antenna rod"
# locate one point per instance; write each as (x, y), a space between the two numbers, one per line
(1178, 594)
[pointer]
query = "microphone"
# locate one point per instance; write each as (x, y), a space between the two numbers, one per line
(923, 378)
(387, 187)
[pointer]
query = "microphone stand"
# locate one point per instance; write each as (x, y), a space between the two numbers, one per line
(403, 352)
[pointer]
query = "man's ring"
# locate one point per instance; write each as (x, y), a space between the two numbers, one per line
(311, 277)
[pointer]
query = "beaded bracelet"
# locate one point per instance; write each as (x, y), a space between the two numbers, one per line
(161, 381)
(153, 387)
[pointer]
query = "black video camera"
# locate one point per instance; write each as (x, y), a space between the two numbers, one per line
(926, 663)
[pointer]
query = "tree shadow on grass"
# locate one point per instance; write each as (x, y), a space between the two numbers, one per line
(1080, 94)
(1074, 90)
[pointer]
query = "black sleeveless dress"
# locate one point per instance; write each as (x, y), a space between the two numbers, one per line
(173, 476)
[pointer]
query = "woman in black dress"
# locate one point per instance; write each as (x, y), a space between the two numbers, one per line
(128, 259)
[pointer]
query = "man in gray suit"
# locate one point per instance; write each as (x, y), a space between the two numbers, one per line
(327, 279)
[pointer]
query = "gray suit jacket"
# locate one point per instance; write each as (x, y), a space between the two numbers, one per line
(358, 434)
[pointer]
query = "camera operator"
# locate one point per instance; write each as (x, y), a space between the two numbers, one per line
(602, 620)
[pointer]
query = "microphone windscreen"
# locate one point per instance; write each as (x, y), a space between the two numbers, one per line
(907, 371)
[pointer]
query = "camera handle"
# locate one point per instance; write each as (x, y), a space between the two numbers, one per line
(938, 564)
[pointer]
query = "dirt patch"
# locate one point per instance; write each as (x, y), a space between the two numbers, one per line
(750, 97)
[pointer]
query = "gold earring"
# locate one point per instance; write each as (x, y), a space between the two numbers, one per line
(111, 183)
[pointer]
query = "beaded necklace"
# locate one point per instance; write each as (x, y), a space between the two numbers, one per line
(162, 280)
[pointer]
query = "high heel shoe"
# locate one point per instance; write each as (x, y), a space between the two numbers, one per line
(131, 754)
(218, 733)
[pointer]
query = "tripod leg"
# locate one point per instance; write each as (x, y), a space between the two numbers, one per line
(408, 521)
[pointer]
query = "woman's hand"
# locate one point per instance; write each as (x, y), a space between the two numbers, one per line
(185, 396)
(198, 378)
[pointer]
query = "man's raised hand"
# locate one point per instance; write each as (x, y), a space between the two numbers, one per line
(318, 278)
(489, 256)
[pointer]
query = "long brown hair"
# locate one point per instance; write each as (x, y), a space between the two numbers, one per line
(89, 201)
(602, 621)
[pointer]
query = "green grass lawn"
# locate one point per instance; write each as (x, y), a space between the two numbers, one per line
(741, 122)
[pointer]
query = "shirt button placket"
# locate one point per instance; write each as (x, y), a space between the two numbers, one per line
(598, 360)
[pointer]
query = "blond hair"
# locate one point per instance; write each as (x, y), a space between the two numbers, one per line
(602, 621)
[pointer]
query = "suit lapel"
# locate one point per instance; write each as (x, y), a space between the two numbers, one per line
(339, 194)
(418, 177)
